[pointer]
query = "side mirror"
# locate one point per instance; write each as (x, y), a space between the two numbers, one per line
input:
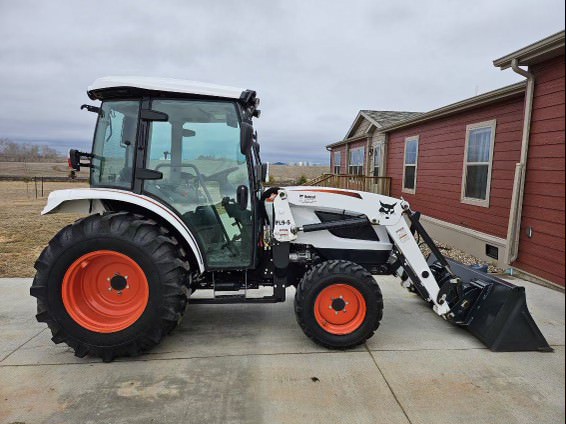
(246, 137)
(74, 160)
(265, 172)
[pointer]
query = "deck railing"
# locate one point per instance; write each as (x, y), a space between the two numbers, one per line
(378, 185)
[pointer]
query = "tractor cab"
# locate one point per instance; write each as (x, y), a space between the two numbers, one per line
(191, 147)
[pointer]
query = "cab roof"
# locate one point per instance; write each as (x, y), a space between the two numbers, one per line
(103, 85)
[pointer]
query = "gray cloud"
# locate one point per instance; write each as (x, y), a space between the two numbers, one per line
(314, 64)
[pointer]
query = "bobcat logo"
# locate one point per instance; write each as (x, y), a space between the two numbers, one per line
(387, 209)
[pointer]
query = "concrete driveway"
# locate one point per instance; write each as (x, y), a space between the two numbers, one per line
(252, 364)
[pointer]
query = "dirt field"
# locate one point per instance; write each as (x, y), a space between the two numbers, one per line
(288, 174)
(280, 173)
(34, 169)
(23, 231)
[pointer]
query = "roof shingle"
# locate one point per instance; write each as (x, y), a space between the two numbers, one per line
(388, 117)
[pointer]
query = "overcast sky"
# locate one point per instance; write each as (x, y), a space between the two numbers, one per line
(314, 64)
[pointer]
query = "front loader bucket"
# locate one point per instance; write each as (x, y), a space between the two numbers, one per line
(498, 314)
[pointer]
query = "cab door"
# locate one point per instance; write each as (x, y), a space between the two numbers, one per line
(204, 176)
(114, 144)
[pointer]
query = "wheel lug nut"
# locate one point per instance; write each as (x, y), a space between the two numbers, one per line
(109, 288)
(120, 292)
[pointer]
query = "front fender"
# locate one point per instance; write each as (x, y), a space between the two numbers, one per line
(89, 201)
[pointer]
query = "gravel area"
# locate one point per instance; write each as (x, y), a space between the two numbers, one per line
(460, 256)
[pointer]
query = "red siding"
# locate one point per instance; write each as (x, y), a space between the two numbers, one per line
(440, 163)
(543, 204)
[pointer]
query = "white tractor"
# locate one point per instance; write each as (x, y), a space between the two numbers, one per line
(176, 212)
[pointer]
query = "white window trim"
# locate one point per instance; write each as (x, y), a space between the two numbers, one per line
(350, 150)
(468, 200)
(382, 149)
(407, 139)
(337, 165)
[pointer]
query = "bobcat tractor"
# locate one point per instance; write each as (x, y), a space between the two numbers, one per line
(176, 213)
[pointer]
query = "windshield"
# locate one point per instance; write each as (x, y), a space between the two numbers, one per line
(200, 134)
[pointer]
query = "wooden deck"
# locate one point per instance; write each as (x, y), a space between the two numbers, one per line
(377, 185)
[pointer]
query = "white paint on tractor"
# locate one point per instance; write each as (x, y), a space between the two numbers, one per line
(168, 85)
(81, 200)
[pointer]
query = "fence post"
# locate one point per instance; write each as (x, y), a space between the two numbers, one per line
(41, 186)
(35, 185)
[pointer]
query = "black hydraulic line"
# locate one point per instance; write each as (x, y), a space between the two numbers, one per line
(416, 224)
(331, 225)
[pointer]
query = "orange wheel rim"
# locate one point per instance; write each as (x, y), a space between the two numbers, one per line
(105, 291)
(340, 309)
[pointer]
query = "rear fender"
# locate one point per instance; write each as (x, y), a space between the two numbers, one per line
(90, 201)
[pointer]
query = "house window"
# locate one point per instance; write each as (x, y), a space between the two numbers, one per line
(478, 159)
(410, 164)
(356, 162)
(377, 158)
(337, 162)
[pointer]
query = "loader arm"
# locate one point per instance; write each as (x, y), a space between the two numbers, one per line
(494, 310)
(378, 210)
(411, 261)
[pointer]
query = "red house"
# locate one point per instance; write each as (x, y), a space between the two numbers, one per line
(488, 173)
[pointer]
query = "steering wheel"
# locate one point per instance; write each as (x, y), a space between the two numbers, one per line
(222, 178)
(198, 177)
(221, 174)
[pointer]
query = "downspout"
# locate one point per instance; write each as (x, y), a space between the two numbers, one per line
(515, 214)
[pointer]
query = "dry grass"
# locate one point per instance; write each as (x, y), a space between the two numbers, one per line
(35, 169)
(23, 231)
(291, 174)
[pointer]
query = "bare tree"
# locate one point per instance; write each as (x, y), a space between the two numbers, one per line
(11, 151)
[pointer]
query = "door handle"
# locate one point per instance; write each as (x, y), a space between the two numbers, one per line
(242, 196)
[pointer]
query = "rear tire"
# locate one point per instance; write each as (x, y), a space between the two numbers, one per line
(84, 294)
(338, 304)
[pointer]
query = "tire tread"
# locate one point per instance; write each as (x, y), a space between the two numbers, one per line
(326, 269)
(141, 231)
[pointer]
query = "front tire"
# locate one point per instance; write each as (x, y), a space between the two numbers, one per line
(338, 304)
(111, 285)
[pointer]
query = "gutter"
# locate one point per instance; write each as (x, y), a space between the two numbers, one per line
(515, 214)
(346, 141)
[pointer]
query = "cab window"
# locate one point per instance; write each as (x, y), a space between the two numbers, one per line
(198, 152)
(114, 144)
